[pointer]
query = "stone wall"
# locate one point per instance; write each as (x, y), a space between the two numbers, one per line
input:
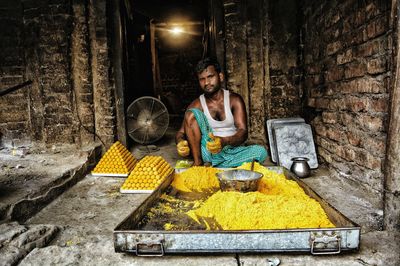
(62, 47)
(284, 62)
(245, 59)
(346, 57)
(47, 29)
(102, 78)
(261, 58)
(14, 118)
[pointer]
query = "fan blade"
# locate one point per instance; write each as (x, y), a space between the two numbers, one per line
(135, 129)
(145, 136)
(141, 104)
(132, 116)
(152, 106)
(159, 113)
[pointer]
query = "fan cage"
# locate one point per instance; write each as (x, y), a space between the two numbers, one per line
(147, 120)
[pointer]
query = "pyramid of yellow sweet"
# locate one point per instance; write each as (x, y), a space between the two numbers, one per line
(149, 172)
(117, 160)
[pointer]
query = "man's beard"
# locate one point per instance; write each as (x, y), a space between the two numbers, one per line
(212, 89)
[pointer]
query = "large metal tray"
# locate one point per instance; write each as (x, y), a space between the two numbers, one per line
(294, 141)
(128, 237)
(271, 123)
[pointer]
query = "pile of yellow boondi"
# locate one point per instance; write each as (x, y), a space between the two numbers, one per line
(279, 203)
(196, 179)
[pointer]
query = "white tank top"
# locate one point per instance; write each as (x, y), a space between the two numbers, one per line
(224, 128)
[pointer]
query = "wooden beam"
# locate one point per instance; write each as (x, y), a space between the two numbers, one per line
(392, 169)
(157, 86)
(117, 50)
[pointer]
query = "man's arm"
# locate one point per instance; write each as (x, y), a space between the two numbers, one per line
(240, 118)
(180, 134)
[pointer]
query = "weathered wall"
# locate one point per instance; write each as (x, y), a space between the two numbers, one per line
(284, 62)
(392, 170)
(62, 47)
(245, 56)
(346, 57)
(14, 118)
(261, 58)
(103, 87)
(47, 29)
(81, 71)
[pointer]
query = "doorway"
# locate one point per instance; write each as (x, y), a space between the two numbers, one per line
(164, 40)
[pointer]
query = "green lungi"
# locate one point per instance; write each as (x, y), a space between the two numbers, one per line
(229, 156)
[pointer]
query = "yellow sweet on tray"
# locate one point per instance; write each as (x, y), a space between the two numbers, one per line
(196, 179)
(273, 183)
(147, 174)
(255, 210)
(117, 160)
(279, 203)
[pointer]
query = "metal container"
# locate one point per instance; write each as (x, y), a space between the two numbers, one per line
(130, 237)
(240, 180)
(300, 167)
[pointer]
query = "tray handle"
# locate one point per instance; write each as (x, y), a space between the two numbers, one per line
(331, 244)
(153, 249)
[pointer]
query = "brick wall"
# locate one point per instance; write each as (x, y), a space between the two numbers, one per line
(103, 85)
(14, 107)
(262, 64)
(246, 60)
(346, 78)
(62, 47)
(285, 72)
(47, 29)
(179, 82)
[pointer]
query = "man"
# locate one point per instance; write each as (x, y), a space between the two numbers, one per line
(215, 124)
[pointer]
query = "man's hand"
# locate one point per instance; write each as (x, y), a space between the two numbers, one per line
(214, 146)
(183, 148)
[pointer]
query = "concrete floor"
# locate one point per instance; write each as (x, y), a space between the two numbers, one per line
(86, 214)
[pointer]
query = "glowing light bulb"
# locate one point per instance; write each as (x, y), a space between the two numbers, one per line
(176, 30)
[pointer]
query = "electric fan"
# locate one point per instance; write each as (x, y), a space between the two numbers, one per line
(147, 120)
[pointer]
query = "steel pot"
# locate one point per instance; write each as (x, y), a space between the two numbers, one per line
(240, 180)
(300, 167)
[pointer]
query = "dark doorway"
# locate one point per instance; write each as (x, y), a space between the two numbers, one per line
(164, 40)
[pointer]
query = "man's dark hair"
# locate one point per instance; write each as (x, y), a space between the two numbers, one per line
(206, 62)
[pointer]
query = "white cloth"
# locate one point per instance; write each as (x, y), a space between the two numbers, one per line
(224, 128)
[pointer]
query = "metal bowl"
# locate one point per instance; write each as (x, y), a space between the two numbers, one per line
(240, 180)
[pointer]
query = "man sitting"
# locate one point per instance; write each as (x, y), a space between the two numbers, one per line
(215, 124)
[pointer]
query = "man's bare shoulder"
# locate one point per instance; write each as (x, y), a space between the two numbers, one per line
(235, 97)
(195, 104)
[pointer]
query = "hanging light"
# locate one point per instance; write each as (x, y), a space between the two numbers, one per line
(176, 30)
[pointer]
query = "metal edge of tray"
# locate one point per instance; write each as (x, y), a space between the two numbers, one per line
(345, 237)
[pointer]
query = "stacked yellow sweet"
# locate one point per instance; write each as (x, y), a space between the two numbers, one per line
(147, 174)
(117, 160)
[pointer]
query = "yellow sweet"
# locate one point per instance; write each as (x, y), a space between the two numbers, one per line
(196, 179)
(279, 204)
(255, 210)
(273, 183)
(117, 160)
(148, 173)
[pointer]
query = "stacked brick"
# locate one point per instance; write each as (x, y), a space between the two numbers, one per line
(62, 46)
(14, 107)
(346, 78)
(284, 62)
(47, 54)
